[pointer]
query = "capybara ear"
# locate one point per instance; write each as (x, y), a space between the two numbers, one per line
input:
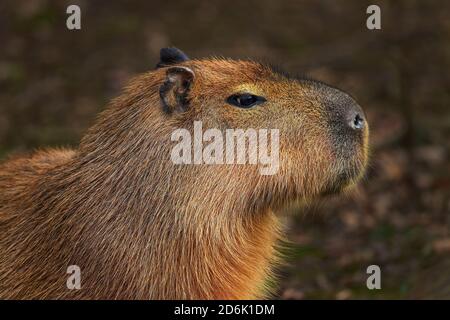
(174, 91)
(171, 56)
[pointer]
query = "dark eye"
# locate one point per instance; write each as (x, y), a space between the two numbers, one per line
(245, 100)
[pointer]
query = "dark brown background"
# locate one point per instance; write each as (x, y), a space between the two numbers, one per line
(54, 81)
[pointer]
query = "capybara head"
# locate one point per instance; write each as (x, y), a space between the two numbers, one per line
(322, 131)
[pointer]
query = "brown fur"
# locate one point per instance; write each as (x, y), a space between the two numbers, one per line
(141, 227)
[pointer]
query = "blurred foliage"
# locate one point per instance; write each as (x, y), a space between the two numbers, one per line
(54, 81)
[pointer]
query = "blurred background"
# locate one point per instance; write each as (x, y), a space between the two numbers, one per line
(53, 83)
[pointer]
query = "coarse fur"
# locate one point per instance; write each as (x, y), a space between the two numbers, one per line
(141, 227)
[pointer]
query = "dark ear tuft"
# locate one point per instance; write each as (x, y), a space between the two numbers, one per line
(170, 56)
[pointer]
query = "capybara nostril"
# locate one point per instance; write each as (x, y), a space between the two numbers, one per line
(357, 122)
(353, 116)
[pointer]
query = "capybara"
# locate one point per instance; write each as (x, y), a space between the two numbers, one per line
(140, 226)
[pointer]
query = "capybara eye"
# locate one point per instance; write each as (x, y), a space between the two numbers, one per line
(245, 100)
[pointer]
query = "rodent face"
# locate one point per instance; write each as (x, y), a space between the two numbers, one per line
(323, 133)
